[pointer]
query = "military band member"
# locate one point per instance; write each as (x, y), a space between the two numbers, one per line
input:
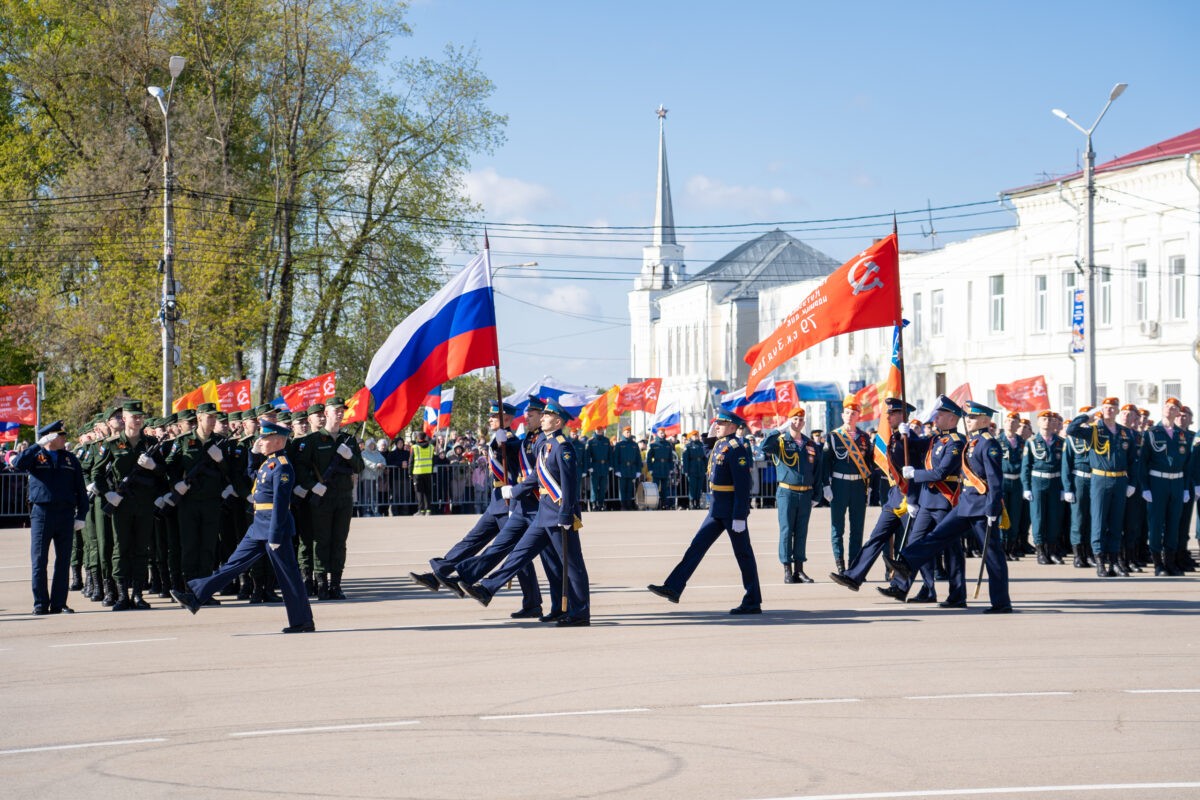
(1012, 448)
(1163, 466)
(695, 464)
(845, 476)
(1041, 481)
(797, 469)
(729, 480)
(1111, 456)
(627, 466)
(599, 465)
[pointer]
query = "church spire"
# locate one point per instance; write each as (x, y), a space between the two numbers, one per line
(664, 216)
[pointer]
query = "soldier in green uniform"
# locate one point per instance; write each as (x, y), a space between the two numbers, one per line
(106, 592)
(796, 468)
(1077, 492)
(235, 513)
(197, 468)
(159, 570)
(1012, 448)
(328, 459)
(86, 453)
(1112, 457)
(695, 465)
(1042, 487)
(599, 463)
(304, 423)
(660, 460)
(845, 475)
(627, 458)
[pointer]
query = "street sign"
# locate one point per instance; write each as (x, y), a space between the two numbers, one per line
(1077, 329)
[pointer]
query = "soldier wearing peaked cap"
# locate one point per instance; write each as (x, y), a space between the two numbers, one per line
(695, 464)
(106, 535)
(628, 466)
(599, 464)
(1012, 450)
(200, 476)
(1112, 457)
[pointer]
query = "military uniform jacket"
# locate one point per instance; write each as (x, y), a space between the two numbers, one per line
(116, 460)
(1011, 455)
(729, 466)
(599, 452)
(317, 452)
(54, 478)
(837, 456)
(1110, 451)
(695, 460)
(526, 491)
(917, 447)
(271, 496)
(1075, 451)
(556, 477)
(237, 453)
(660, 458)
(1044, 457)
(1166, 455)
(1194, 460)
(189, 460)
(984, 461)
(500, 457)
(627, 458)
(580, 447)
(796, 462)
(943, 465)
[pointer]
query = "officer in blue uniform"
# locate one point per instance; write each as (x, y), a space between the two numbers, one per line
(58, 508)
(895, 514)
(979, 508)
(729, 468)
(932, 492)
(508, 464)
(1042, 487)
(797, 471)
(627, 458)
(270, 534)
(1077, 492)
(1163, 464)
(599, 465)
(845, 475)
(1012, 450)
(556, 525)
(695, 465)
(660, 460)
(1112, 457)
(581, 462)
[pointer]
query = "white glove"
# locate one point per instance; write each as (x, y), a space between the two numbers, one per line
(506, 492)
(227, 493)
(47, 439)
(589, 470)
(215, 453)
(300, 492)
(160, 503)
(827, 493)
(619, 475)
(91, 488)
(1129, 490)
(146, 462)
(345, 452)
(1027, 495)
(739, 525)
(1149, 498)
(912, 510)
(1187, 496)
(992, 520)
(319, 489)
(908, 472)
(903, 429)
(274, 545)
(1069, 497)
(113, 499)
(78, 524)
(501, 436)
(181, 488)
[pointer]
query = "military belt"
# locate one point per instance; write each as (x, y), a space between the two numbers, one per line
(263, 506)
(1106, 474)
(1083, 474)
(847, 476)
(1012, 476)
(796, 488)
(717, 487)
(1166, 475)
(1047, 475)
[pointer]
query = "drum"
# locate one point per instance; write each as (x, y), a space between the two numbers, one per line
(647, 495)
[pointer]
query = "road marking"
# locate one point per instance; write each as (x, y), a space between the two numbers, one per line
(1094, 787)
(567, 713)
(122, 641)
(783, 702)
(114, 743)
(326, 728)
(1162, 691)
(987, 694)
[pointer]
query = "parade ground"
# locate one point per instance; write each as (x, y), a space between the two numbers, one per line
(1092, 690)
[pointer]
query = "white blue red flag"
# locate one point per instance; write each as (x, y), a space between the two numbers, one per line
(445, 409)
(667, 420)
(451, 334)
(760, 403)
(432, 407)
(548, 388)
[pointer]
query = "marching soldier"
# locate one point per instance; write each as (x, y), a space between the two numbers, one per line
(1077, 491)
(628, 467)
(1012, 448)
(1041, 482)
(1163, 466)
(845, 477)
(1112, 457)
(695, 463)
(599, 465)
(796, 469)
(660, 460)
(197, 469)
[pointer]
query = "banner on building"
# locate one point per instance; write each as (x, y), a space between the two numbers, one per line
(1027, 394)
(1077, 325)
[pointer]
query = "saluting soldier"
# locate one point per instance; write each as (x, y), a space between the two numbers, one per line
(199, 474)
(729, 468)
(628, 467)
(845, 477)
(599, 465)
(1077, 491)
(1041, 481)
(1163, 465)
(660, 460)
(796, 470)
(695, 464)
(1012, 449)
(1112, 456)
(106, 535)
(1136, 507)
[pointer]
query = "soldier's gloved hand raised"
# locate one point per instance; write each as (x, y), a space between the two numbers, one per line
(113, 499)
(319, 489)
(739, 525)
(903, 429)
(1027, 495)
(274, 545)
(146, 462)
(215, 453)
(181, 488)
(344, 451)
(1149, 498)
(229, 492)
(1068, 497)
(827, 493)
(501, 436)
(300, 492)
(1129, 490)
(78, 524)
(506, 492)
(47, 439)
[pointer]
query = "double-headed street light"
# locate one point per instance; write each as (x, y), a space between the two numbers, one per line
(169, 308)
(1089, 339)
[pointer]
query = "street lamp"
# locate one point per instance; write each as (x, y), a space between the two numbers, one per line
(168, 312)
(1089, 341)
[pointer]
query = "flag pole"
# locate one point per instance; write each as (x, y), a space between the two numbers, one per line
(499, 390)
(898, 332)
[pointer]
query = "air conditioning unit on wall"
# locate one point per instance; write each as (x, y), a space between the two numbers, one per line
(1148, 392)
(1151, 329)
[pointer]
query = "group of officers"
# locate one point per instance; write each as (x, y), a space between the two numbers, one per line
(598, 458)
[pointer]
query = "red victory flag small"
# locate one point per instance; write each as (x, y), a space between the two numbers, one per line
(300, 396)
(357, 407)
(19, 404)
(1027, 394)
(640, 396)
(962, 395)
(234, 396)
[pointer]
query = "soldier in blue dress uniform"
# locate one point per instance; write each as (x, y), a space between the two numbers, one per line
(599, 464)
(845, 476)
(1077, 492)
(270, 534)
(660, 460)
(695, 465)
(58, 508)
(979, 507)
(627, 464)
(729, 468)
(796, 468)
(1112, 457)
(1163, 466)
(1012, 448)
(1041, 482)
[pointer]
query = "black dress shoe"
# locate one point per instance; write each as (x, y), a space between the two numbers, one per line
(453, 584)
(664, 592)
(212, 601)
(998, 610)
(187, 600)
(948, 604)
(573, 622)
(426, 579)
(307, 627)
(744, 608)
(480, 593)
(899, 566)
(529, 612)
(40, 611)
(842, 580)
(801, 577)
(61, 610)
(553, 616)
(923, 598)
(894, 592)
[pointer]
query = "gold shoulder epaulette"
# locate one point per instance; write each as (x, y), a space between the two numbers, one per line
(558, 437)
(282, 459)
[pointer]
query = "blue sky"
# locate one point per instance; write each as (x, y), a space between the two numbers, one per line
(779, 111)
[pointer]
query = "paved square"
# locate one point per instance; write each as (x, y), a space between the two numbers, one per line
(1093, 690)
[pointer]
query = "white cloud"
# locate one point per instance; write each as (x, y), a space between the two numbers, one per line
(570, 298)
(504, 198)
(711, 193)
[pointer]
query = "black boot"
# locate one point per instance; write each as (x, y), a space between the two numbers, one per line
(798, 573)
(76, 578)
(156, 583)
(323, 586)
(788, 575)
(1122, 563)
(1159, 568)
(1054, 553)
(1101, 570)
(1079, 562)
(246, 588)
(88, 583)
(1042, 558)
(1168, 557)
(97, 586)
(110, 592)
(1110, 561)
(310, 585)
(1090, 556)
(1183, 560)
(139, 601)
(841, 565)
(335, 588)
(123, 602)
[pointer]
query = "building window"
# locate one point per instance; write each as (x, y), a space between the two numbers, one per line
(937, 299)
(1068, 306)
(1175, 292)
(1067, 395)
(1172, 389)
(1104, 295)
(1040, 303)
(996, 314)
(918, 323)
(1141, 291)
(1132, 392)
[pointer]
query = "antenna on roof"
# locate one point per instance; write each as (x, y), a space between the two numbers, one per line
(930, 234)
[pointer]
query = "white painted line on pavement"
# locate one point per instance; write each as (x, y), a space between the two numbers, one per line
(987, 694)
(1093, 787)
(114, 743)
(122, 641)
(1162, 691)
(568, 713)
(784, 702)
(326, 728)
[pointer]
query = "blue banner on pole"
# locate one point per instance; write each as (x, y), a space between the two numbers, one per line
(1077, 328)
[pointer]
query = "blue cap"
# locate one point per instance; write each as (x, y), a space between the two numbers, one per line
(896, 404)
(729, 416)
(273, 428)
(976, 409)
(552, 407)
(536, 404)
(495, 409)
(944, 403)
(53, 427)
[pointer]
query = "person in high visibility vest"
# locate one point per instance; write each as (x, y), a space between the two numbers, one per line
(422, 471)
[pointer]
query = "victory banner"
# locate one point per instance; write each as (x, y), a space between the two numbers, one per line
(1027, 394)
(641, 396)
(300, 396)
(234, 396)
(19, 404)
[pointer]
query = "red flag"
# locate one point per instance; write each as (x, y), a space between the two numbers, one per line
(300, 396)
(1027, 394)
(962, 395)
(868, 400)
(641, 396)
(785, 397)
(357, 407)
(862, 293)
(234, 396)
(19, 404)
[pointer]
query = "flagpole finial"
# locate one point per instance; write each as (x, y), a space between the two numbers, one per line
(661, 111)
(486, 245)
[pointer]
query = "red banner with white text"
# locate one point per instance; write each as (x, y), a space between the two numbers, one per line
(300, 396)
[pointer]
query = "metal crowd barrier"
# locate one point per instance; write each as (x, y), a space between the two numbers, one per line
(14, 494)
(455, 489)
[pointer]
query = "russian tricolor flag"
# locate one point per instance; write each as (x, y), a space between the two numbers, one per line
(431, 406)
(667, 420)
(453, 333)
(445, 409)
(760, 403)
